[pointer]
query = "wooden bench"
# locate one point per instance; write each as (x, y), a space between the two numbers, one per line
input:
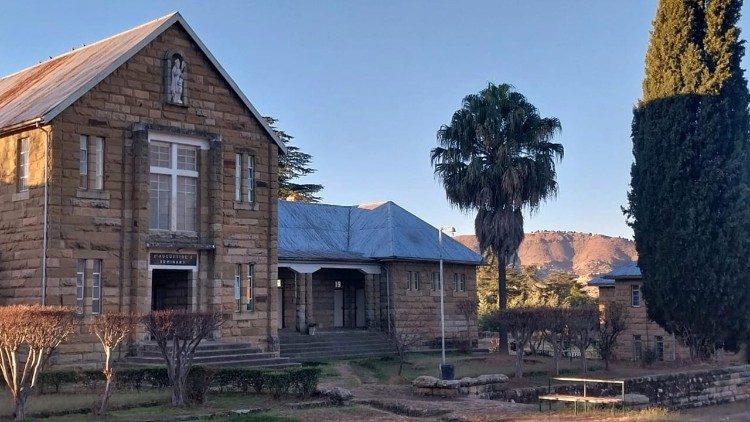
(585, 399)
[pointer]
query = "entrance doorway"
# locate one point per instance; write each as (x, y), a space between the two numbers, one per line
(338, 308)
(170, 289)
(359, 309)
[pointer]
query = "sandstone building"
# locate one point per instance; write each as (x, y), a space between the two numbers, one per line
(623, 285)
(135, 175)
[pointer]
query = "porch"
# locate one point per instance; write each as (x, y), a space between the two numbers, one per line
(331, 296)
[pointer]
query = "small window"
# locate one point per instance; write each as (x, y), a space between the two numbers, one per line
(250, 292)
(96, 287)
(91, 162)
(415, 280)
(23, 165)
(462, 283)
(659, 342)
(250, 178)
(80, 283)
(238, 177)
(238, 287)
(637, 347)
(635, 295)
(435, 281)
(408, 280)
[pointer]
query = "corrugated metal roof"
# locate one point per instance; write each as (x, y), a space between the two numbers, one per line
(41, 92)
(601, 282)
(630, 270)
(362, 232)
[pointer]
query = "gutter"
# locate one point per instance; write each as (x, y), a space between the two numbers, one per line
(35, 122)
(45, 214)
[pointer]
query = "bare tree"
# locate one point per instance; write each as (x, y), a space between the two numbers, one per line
(111, 329)
(178, 333)
(554, 328)
(521, 323)
(582, 325)
(28, 336)
(468, 308)
(613, 321)
(406, 333)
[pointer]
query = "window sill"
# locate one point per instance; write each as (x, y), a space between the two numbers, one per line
(20, 196)
(247, 206)
(92, 194)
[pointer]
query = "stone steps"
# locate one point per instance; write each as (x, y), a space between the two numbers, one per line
(342, 344)
(218, 354)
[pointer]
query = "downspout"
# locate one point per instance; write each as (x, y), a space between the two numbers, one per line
(45, 214)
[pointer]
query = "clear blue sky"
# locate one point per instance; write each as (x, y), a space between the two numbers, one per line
(364, 86)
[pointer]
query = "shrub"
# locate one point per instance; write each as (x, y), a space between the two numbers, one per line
(278, 382)
(304, 380)
(199, 380)
(649, 356)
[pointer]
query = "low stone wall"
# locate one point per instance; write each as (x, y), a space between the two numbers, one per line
(483, 386)
(678, 390)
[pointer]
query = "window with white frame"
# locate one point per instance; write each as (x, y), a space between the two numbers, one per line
(173, 192)
(455, 281)
(462, 283)
(96, 287)
(637, 347)
(23, 164)
(412, 280)
(91, 162)
(238, 286)
(635, 295)
(435, 281)
(244, 192)
(250, 288)
(80, 283)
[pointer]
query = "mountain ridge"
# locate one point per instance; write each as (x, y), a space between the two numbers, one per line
(584, 254)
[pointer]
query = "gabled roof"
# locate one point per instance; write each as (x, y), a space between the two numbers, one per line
(39, 93)
(626, 271)
(380, 231)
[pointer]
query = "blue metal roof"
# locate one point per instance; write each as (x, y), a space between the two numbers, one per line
(630, 270)
(362, 232)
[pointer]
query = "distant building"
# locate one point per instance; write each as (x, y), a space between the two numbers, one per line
(367, 265)
(623, 285)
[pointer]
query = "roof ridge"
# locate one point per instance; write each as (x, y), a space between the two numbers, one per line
(77, 50)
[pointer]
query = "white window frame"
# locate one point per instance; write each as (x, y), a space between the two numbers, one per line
(250, 291)
(415, 281)
(24, 148)
(637, 347)
(96, 287)
(462, 283)
(435, 281)
(80, 285)
(174, 143)
(238, 177)
(635, 288)
(251, 179)
(238, 287)
(455, 282)
(83, 162)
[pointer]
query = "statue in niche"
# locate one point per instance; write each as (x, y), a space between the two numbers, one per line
(176, 80)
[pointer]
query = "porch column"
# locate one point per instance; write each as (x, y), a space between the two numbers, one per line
(309, 308)
(301, 302)
(371, 299)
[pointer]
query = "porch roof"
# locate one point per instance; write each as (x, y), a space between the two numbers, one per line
(368, 232)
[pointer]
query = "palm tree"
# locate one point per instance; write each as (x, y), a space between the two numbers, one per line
(496, 157)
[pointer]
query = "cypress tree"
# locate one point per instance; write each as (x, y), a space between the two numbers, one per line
(689, 203)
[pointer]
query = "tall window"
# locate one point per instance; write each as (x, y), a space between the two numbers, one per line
(250, 178)
(173, 196)
(80, 283)
(238, 286)
(96, 287)
(659, 341)
(635, 295)
(435, 281)
(250, 288)
(91, 162)
(23, 165)
(238, 177)
(637, 347)
(412, 280)
(462, 283)
(455, 281)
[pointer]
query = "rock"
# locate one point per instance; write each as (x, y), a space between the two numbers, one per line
(337, 395)
(632, 399)
(492, 378)
(425, 381)
(447, 384)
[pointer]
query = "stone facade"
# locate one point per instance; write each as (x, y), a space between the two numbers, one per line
(652, 336)
(127, 109)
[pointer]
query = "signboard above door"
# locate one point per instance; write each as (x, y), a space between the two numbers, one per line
(180, 259)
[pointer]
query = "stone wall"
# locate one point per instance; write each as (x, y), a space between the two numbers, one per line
(677, 390)
(419, 310)
(639, 324)
(483, 386)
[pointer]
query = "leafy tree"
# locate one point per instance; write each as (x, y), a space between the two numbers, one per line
(689, 203)
(496, 157)
(293, 165)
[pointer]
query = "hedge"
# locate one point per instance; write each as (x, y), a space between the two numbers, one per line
(300, 380)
